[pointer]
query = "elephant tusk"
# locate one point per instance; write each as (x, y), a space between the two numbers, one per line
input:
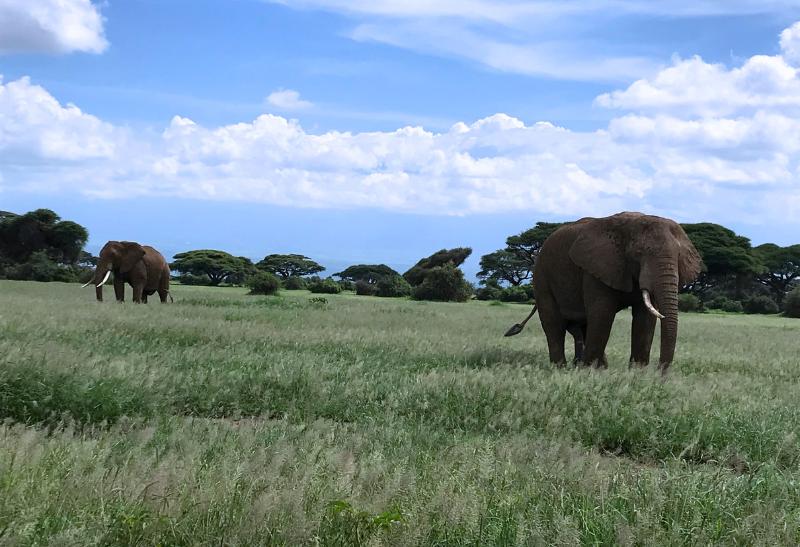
(650, 307)
(103, 282)
(86, 284)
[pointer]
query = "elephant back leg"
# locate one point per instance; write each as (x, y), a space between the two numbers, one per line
(554, 326)
(163, 286)
(578, 332)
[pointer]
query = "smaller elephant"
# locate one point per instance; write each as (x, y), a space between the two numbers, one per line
(141, 266)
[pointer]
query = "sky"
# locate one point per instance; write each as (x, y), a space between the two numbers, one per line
(379, 131)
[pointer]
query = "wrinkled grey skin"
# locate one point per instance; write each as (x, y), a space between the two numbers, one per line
(142, 267)
(589, 270)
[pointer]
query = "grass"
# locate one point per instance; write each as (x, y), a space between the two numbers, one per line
(227, 419)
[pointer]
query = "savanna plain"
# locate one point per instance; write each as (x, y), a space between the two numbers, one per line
(229, 419)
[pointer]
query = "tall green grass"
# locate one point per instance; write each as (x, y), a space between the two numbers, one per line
(241, 420)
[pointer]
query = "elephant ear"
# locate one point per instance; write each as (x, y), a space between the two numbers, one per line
(597, 252)
(690, 264)
(131, 254)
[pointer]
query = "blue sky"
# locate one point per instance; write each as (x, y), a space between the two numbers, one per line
(383, 130)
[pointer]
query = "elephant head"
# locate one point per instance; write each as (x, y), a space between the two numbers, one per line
(119, 256)
(632, 251)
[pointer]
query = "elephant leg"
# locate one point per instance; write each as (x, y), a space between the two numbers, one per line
(554, 329)
(138, 288)
(119, 289)
(163, 294)
(642, 330)
(144, 299)
(578, 332)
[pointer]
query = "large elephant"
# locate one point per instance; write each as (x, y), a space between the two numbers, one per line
(589, 270)
(142, 267)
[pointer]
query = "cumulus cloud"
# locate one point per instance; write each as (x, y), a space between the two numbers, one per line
(51, 26)
(34, 123)
(790, 44)
(713, 132)
(288, 99)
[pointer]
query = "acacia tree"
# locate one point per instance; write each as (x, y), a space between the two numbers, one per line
(39, 231)
(726, 256)
(504, 266)
(218, 266)
(454, 257)
(781, 269)
(371, 273)
(526, 245)
(291, 265)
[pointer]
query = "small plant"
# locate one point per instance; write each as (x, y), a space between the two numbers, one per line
(318, 301)
(263, 283)
(792, 304)
(394, 286)
(325, 286)
(688, 302)
(365, 288)
(760, 304)
(294, 283)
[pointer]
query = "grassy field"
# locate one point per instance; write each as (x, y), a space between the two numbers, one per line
(227, 419)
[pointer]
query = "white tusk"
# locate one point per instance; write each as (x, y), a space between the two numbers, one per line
(86, 284)
(650, 307)
(103, 282)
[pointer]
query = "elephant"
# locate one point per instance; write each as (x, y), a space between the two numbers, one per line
(589, 270)
(141, 266)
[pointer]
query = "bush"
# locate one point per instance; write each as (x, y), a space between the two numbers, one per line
(191, 279)
(393, 286)
(760, 304)
(365, 288)
(39, 267)
(725, 304)
(263, 283)
(294, 283)
(347, 285)
(792, 304)
(489, 292)
(688, 302)
(325, 286)
(444, 283)
(517, 294)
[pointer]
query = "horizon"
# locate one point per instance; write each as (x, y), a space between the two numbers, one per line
(380, 133)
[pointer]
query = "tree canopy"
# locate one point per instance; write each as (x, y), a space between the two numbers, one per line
(504, 266)
(41, 230)
(526, 245)
(455, 257)
(781, 271)
(371, 273)
(290, 265)
(218, 266)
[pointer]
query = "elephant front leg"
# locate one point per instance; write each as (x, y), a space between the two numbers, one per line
(119, 289)
(138, 289)
(578, 333)
(642, 330)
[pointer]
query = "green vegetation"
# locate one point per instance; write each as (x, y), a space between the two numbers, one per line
(211, 267)
(235, 419)
(291, 265)
(263, 283)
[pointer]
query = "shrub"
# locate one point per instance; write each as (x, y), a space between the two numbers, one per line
(760, 304)
(444, 283)
(365, 288)
(688, 302)
(725, 304)
(489, 292)
(192, 279)
(39, 267)
(347, 285)
(263, 283)
(792, 304)
(517, 294)
(294, 283)
(325, 286)
(394, 286)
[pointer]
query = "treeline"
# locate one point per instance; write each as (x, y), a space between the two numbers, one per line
(737, 277)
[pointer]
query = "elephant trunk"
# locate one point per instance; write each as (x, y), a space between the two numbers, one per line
(666, 294)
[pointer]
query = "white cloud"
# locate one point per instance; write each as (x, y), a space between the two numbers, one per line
(50, 26)
(790, 44)
(33, 122)
(727, 137)
(288, 99)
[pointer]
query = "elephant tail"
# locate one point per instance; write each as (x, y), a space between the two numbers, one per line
(516, 329)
